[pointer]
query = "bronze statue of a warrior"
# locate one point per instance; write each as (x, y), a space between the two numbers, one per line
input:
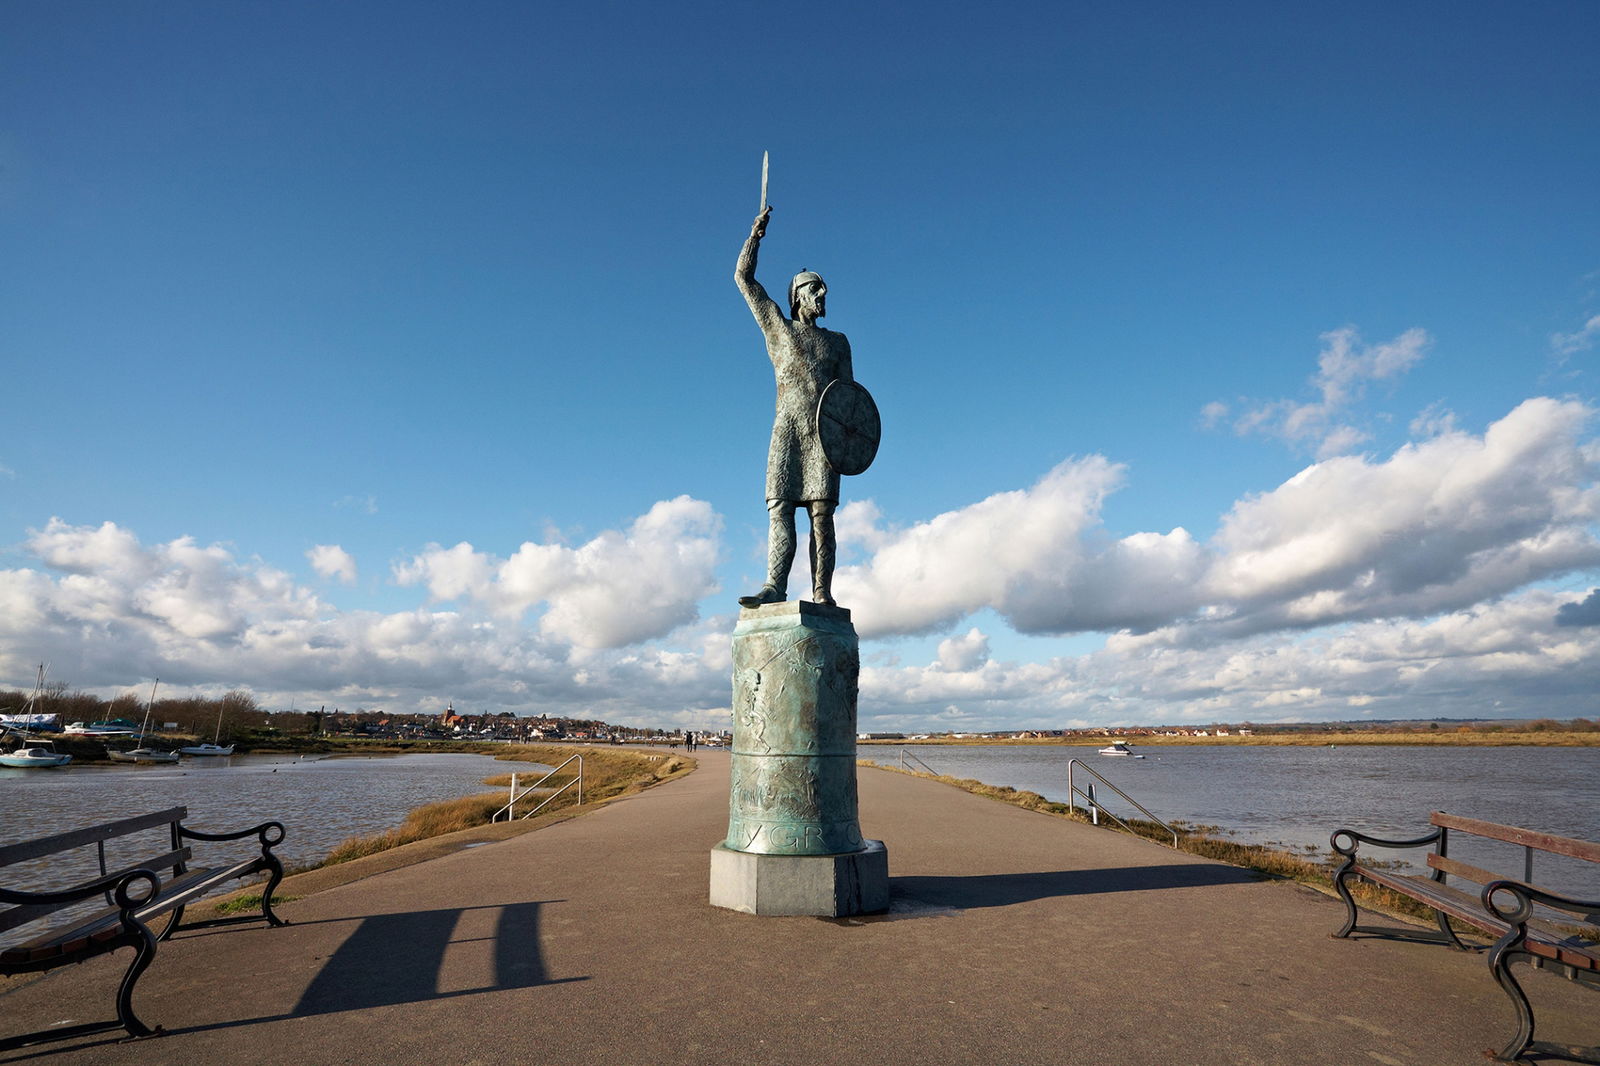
(806, 359)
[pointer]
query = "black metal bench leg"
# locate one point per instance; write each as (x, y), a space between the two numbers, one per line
(266, 893)
(1500, 965)
(1449, 934)
(144, 954)
(172, 924)
(1349, 902)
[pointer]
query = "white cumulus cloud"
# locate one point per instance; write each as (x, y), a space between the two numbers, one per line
(1458, 664)
(105, 609)
(1439, 525)
(333, 562)
(619, 588)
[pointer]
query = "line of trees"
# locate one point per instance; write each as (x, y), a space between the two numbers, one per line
(193, 714)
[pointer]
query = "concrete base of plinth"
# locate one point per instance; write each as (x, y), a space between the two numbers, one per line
(831, 886)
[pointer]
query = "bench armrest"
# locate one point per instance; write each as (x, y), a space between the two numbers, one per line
(1523, 897)
(1353, 838)
(118, 884)
(264, 830)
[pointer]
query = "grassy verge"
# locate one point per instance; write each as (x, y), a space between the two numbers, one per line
(251, 901)
(1313, 868)
(608, 773)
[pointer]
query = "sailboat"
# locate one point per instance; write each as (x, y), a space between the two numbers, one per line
(213, 747)
(142, 753)
(35, 751)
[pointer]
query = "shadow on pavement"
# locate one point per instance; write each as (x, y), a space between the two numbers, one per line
(398, 958)
(1003, 890)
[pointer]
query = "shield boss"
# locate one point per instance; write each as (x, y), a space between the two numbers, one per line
(848, 426)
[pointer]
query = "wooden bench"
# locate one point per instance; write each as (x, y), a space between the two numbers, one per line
(161, 884)
(1501, 906)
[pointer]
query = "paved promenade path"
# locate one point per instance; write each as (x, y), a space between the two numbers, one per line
(1016, 938)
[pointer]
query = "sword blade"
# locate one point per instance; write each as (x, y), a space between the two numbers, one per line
(763, 181)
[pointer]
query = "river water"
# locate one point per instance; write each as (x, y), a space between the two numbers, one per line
(320, 801)
(1294, 797)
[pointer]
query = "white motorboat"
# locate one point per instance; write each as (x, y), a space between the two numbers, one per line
(1120, 747)
(143, 755)
(207, 749)
(37, 755)
(99, 729)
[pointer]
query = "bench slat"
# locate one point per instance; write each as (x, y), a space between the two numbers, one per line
(1556, 845)
(106, 923)
(69, 937)
(1544, 938)
(1577, 957)
(23, 913)
(1454, 902)
(183, 889)
(80, 940)
(33, 849)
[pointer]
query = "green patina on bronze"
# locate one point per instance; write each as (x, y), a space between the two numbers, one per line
(793, 790)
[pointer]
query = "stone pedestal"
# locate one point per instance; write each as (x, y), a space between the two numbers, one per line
(830, 885)
(794, 842)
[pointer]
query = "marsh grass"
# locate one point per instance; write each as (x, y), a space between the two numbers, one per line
(1309, 866)
(607, 774)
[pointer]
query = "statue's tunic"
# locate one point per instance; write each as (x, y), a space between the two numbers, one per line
(805, 359)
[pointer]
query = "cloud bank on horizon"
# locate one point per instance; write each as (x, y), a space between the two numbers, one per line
(1422, 583)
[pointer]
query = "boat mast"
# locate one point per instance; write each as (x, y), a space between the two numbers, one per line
(147, 709)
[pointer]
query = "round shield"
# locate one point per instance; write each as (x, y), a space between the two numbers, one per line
(848, 426)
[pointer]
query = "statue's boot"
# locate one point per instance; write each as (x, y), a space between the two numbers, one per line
(768, 594)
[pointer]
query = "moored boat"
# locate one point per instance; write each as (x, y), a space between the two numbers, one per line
(38, 754)
(100, 729)
(143, 753)
(1120, 747)
(207, 749)
(213, 747)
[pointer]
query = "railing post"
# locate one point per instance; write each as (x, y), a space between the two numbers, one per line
(580, 780)
(1094, 808)
(511, 804)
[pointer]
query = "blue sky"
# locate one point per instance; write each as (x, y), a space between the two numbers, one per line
(1236, 361)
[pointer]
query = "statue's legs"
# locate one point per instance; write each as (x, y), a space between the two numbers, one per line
(780, 546)
(823, 550)
(780, 555)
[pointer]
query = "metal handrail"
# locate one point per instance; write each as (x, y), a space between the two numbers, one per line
(904, 755)
(509, 810)
(1073, 792)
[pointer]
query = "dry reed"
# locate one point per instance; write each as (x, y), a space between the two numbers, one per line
(607, 774)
